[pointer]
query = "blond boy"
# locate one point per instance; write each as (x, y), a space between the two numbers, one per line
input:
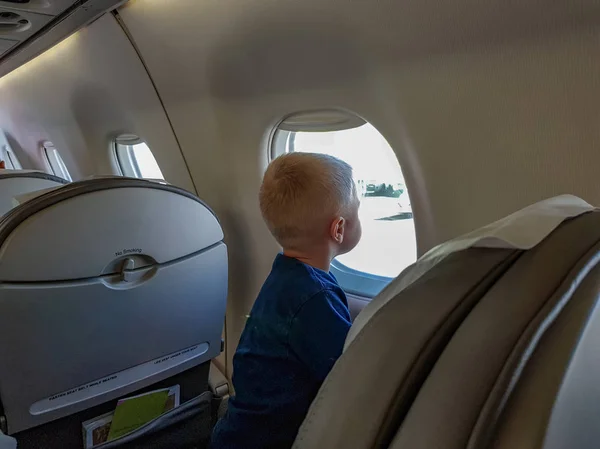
(300, 319)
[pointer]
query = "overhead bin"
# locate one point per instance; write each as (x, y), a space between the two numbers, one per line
(48, 7)
(20, 25)
(29, 27)
(6, 45)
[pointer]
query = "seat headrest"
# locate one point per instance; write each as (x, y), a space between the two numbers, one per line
(14, 183)
(69, 233)
(9, 173)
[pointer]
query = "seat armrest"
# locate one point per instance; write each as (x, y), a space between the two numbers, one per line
(217, 382)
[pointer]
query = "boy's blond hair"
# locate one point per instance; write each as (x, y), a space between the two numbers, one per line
(301, 193)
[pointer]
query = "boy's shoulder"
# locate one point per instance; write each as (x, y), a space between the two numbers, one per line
(288, 267)
(295, 282)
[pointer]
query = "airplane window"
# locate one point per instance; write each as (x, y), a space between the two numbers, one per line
(388, 244)
(10, 159)
(135, 158)
(55, 161)
(7, 155)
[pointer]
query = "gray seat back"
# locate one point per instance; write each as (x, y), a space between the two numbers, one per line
(107, 286)
(516, 367)
(18, 182)
(474, 380)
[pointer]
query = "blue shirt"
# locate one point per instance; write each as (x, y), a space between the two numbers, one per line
(293, 336)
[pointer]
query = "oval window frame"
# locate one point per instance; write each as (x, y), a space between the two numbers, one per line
(126, 161)
(355, 282)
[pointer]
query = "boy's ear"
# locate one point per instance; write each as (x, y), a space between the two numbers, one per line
(338, 227)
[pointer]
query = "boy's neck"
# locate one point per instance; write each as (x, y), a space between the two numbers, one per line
(320, 261)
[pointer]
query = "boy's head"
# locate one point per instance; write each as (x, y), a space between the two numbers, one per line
(309, 202)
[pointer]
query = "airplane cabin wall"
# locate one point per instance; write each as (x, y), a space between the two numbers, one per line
(80, 95)
(488, 108)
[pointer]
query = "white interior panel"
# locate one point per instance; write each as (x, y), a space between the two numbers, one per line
(488, 107)
(80, 95)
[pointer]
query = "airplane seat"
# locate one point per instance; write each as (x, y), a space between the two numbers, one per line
(14, 183)
(108, 288)
(488, 342)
